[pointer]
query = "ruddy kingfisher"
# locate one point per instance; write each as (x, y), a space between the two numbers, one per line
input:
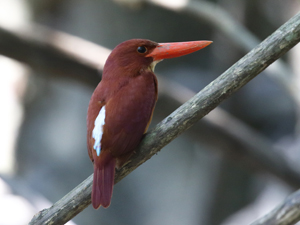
(121, 107)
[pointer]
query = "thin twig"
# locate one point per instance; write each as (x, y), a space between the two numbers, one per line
(185, 116)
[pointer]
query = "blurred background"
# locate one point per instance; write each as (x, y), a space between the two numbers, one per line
(231, 168)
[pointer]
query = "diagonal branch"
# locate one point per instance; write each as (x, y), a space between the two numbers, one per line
(31, 49)
(51, 52)
(256, 151)
(287, 213)
(46, 44)
(239, 35)
(185, 116)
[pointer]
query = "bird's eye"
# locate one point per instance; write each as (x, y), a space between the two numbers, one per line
(142, 49)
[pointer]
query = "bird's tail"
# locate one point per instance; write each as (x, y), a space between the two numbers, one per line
(104, 175)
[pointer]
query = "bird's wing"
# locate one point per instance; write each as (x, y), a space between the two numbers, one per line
(128, 113)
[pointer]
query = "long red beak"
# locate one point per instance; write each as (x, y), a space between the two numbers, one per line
(176, 49)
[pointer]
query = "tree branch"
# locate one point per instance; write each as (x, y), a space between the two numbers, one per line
(219, 18)
(256, 151)
(185, 116)
(49, 44)
(287, 213)
(40, 54)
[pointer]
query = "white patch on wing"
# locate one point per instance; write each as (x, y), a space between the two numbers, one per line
(98, 130)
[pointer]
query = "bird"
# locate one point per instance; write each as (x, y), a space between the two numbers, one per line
(121, 107)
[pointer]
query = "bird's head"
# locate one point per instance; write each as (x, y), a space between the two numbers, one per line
(133, 57)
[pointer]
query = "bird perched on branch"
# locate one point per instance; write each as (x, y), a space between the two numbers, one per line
(121, 107)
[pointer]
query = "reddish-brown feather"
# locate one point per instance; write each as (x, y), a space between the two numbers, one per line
(103, 181)
(127, 114)
(128, 91)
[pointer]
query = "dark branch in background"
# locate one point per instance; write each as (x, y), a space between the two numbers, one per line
(40, 54)
(217, 17)
(287, 213)
(185, 116)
